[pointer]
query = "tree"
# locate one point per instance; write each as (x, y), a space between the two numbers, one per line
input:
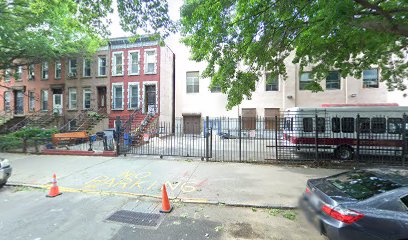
(349, 35)
(42, 30)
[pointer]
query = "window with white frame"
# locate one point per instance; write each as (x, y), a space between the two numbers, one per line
(333, 80)
(150, 61)
(44, 100)
(7, 96)
(31, 101)
(19, 72)
(192, 79)
(101, 65)
(7, 75)
(87, 98)
(58, 69)
(305, 79)
(44, 70)
(271, 83)
(133, 95)
(370, 78)
(117, 96)
(72, 98)
(72, 67)
(134, 65)
(31, 72)
(117, 64)
(86, 69)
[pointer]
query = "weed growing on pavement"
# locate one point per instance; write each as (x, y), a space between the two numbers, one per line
(254, 209)
(219, 228)
(25, 188)
(291, 215)
(184, 215)
(275, 212)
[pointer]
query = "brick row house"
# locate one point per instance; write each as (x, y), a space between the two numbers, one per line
(118, 79)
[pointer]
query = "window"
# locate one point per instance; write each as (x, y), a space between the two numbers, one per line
(288, 124)
(370, 78)
(192, 82)
(44, 100)
(378, 125)
(308, 124)
(362, 184)
(347, 125)
(304, 80)
(102, 66)
(44, 70)
(333, 80)
(72, 97)
(31, 101)
(86, 68)
(7, 75)
(31, 72)
(150, 61)
(57, 69)
(19, 72)
(134, 59)
(117, 96)
(216, 89)
(321, 124)
(133, 96)
(271, 83)
(117, 64)
(364, 124)
(336, 125)
(395, 125)
(72, 68)
(87, 98)
(7, 106)
(404, 200)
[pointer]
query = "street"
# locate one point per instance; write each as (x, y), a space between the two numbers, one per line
(27, 214)
(210, 200)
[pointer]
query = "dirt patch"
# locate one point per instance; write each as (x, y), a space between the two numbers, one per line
(243, 230)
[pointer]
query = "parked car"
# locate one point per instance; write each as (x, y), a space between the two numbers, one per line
(5, 171)
(359, 204)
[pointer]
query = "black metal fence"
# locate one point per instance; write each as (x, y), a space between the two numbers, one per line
(318, 137)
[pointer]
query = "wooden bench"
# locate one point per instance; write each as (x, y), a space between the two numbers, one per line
(69, 138)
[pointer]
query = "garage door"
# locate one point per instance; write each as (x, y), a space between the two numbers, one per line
(248, 118)
(270, 114)
(192, 124)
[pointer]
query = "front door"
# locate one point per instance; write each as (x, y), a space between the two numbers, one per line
(150, 102)
(57, 103)
(19, 102)
(102, 99)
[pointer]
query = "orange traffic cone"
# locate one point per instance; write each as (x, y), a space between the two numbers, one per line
(54, 191)
(166, 208)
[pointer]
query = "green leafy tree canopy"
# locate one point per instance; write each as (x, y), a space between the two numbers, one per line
(240, 39)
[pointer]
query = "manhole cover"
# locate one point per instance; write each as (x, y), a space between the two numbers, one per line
(135, 218)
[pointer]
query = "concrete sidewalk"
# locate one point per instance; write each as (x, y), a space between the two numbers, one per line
(188, 180)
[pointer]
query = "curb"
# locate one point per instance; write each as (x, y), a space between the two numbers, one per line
(181, 200)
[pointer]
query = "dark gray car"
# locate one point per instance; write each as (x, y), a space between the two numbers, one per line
(359, 204)
(5, 171)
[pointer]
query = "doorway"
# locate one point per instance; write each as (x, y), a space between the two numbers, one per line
(150, 99)
(19, 102)
(57, 103)
(102, 99)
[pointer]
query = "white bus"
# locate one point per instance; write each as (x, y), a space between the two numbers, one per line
(374, 130)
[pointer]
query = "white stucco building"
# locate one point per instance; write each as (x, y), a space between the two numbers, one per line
(193, 97)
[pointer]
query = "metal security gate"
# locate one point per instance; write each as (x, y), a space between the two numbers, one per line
(274, 139)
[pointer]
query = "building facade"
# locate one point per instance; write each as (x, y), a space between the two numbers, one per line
(142, 78)
(117, 80)
(195, 100)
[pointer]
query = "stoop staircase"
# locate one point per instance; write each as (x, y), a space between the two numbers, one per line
(85, 120)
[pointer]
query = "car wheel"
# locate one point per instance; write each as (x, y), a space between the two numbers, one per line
(344, 153)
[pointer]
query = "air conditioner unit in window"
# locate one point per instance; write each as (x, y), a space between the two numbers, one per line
(72, 74)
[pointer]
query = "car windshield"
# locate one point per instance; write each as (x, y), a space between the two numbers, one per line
(362, 184)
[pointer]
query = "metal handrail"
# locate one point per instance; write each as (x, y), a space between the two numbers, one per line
(26, 121)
